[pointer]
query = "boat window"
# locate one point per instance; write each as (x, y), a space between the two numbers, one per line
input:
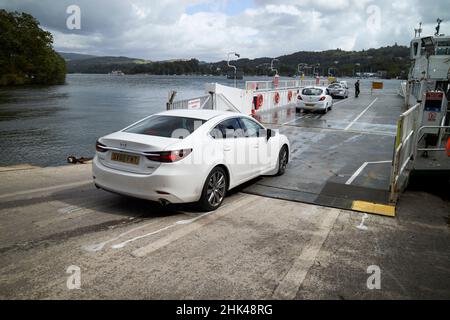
(443, 48)
(416, 48)
(312, 92)
(166, 126)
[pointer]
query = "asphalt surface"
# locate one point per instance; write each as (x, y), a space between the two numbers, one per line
(53, 220)
(336, 158)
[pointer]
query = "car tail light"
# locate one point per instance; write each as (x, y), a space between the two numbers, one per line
(299, 97)
(322, 98)
(100, 147)
(169, 156)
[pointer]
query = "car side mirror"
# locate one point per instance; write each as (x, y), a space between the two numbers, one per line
(270, 134)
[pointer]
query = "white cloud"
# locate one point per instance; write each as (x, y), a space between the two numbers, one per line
(163, 30)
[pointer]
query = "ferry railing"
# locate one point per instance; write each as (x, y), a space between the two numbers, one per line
(203, 102)
(283, 84)
(404, 151)
(443, 131)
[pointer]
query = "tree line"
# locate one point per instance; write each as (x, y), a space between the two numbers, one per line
(26, 52)
(391, 61)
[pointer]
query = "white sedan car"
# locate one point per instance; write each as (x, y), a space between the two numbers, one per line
(314, 99)
(184, 156)
(338, 90)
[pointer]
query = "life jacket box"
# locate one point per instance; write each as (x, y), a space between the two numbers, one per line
(434, 110)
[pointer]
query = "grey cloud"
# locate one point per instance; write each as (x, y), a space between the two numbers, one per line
(161, 30)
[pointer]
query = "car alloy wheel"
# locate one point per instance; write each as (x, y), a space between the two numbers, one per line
(282, 160)
(216, 188)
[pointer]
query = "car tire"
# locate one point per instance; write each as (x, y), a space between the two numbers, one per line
(283, 159)
(214, 190)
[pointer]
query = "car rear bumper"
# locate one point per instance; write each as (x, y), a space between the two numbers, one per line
(315, 106)
(169, 182)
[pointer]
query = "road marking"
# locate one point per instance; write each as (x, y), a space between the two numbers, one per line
(61, 186)
(289, 286)
(99, 246)
(193, 225)
(361, 226)
(293, 120)
(364, 165)
(375, 208)
(342, 101)
(361, 114)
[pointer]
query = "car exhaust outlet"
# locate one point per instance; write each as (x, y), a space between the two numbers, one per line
(164, 202)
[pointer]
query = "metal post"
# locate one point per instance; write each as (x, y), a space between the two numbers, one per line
(271, 66)
(232, 66)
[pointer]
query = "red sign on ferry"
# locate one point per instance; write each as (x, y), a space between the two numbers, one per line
(435, 95)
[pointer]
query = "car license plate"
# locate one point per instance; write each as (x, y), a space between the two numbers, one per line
(309, 104)
(125, 158)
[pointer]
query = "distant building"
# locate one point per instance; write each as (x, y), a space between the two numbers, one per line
(381, 74)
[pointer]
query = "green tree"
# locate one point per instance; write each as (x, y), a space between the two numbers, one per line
(26, 52)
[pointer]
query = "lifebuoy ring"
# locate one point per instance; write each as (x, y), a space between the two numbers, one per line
(277, 97)
(448, 147)
(258, 101)
(289, 96)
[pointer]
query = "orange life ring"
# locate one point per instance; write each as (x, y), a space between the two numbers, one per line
(289, 96)
(448, 147)
(258, 101)
(277, 98)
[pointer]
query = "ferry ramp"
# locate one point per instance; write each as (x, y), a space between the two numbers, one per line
(340, 159)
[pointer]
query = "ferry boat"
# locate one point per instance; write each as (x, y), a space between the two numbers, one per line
(430, 69)
(117, 73)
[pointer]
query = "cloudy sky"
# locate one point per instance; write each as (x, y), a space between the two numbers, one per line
(208, 29)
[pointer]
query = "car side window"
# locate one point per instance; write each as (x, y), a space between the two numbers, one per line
(251, 128)
(228, 129)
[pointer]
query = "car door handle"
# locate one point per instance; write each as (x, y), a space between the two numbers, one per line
(226, 148)
(256, 146)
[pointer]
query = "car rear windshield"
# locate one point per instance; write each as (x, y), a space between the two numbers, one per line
(166, 126)
(312, 92)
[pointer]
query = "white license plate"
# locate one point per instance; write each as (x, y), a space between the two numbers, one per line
(309, 104)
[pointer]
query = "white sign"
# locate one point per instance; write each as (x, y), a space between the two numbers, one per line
(194, 104)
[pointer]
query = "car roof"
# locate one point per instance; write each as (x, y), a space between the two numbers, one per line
(197, 114)
(315, 87)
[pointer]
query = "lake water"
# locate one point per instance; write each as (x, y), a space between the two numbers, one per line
(43, 125)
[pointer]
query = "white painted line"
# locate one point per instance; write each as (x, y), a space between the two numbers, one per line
(288, 287)
(61, 186)
(293, 120)
(193, 225)
(361, 225)
(364, 165)
(342, 101)
(101, 245)
(361, 114)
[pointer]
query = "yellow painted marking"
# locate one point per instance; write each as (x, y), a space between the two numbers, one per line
(375, 208)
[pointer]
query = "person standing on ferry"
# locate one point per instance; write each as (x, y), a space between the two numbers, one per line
(357, 89)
